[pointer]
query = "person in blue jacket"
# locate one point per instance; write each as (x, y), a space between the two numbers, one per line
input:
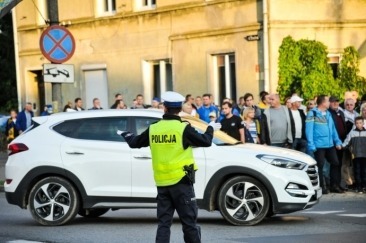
(206, 108)
(323, 140)
(24, 119)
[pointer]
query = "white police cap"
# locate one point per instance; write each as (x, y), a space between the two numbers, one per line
(172, 99)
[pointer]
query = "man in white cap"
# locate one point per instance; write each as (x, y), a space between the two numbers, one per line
(297, 118)
(171, 142)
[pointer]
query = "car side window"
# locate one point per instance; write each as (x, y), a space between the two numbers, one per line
(142, 123)
(103, 129)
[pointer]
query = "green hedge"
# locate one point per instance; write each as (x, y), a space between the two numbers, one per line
(303, 69)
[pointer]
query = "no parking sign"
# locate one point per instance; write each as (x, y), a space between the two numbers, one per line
(57, 44)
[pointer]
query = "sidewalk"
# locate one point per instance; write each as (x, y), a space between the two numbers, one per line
(3, 158)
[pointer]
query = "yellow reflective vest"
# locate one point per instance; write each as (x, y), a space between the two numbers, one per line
(168, 155)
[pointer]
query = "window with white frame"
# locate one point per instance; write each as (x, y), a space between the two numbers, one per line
(105, 7)
(224, 76)
(143, 5)
(157, 76)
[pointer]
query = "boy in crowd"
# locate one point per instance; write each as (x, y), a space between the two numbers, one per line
(356, 140)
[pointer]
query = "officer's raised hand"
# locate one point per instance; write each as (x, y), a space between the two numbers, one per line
(125, 134)
(215, 125)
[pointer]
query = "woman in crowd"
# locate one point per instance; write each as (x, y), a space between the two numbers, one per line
(68, 106)
(310, 105)
(251, 126)
(264, 103)
(11, 130)
(119, 104)
(363, 114)
(288, 103)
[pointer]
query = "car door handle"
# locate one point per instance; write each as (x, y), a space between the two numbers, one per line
(75, 153)
(142, 157)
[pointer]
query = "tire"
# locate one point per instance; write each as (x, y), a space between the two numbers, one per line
(270, 214)
(93, 212)
(243, 201)
(53, 201)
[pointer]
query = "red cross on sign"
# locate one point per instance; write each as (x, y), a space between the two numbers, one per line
(57, 44)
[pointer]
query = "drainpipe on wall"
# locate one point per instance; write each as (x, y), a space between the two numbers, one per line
(266, 46)
(16, 53)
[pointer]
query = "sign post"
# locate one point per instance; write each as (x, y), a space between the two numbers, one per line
(58, 73)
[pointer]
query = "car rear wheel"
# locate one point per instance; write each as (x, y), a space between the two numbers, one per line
(93, 212)
(53, 201)
(243, 201)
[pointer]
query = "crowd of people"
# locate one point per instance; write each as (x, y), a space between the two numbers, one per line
(332, 132)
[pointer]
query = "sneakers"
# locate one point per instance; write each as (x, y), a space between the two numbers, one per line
(336, 189)
(343, 188)
(325, 191)
(351, 187)
(359, 190)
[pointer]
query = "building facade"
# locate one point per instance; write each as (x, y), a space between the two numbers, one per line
(222, 47)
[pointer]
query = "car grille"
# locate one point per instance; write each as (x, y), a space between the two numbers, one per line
(313, 175)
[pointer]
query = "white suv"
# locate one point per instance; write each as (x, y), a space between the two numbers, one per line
(75, 163)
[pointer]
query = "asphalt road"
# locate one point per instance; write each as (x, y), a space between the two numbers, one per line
(338, 218)
(3, 158)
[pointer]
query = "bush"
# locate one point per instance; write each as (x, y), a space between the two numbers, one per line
(304, 69)
(348, 78)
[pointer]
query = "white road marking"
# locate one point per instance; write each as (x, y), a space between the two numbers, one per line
(359, 215)
(23, 241)
(323, 212)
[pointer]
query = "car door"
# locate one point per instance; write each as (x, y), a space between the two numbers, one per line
(99, 157)
(143, 184)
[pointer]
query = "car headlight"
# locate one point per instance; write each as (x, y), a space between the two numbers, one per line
(282, 162)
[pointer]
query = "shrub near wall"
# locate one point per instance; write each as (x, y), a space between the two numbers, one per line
(304, 69)
(348, 78)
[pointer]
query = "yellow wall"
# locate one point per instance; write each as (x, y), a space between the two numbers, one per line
(187, 32)
(335, 23)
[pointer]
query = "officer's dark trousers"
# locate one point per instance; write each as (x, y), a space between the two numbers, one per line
(178, 197)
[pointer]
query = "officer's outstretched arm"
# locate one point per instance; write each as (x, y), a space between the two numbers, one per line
(138, 141)
(193, 138)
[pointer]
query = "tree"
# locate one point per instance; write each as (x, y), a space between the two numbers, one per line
(8, 96)
(304, 69)
(348, 78)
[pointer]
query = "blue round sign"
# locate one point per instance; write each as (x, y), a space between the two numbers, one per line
(57, 44)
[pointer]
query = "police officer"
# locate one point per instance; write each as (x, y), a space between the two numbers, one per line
(171, 142)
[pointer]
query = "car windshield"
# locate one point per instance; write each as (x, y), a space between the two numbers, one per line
(220, 138)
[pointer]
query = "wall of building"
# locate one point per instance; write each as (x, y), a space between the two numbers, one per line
(188, 33)
(185, 32)
(336, 23)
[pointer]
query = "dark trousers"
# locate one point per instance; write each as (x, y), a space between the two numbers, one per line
(339, 171)
(330, 155)
(180, 197)
(300, 144)
(359, 167)
(281, 145)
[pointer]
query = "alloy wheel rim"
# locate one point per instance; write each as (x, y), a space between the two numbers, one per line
(244, 201)
(52, 201)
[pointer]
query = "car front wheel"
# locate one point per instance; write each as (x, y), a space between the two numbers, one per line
(243, 201)
(53, 201)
